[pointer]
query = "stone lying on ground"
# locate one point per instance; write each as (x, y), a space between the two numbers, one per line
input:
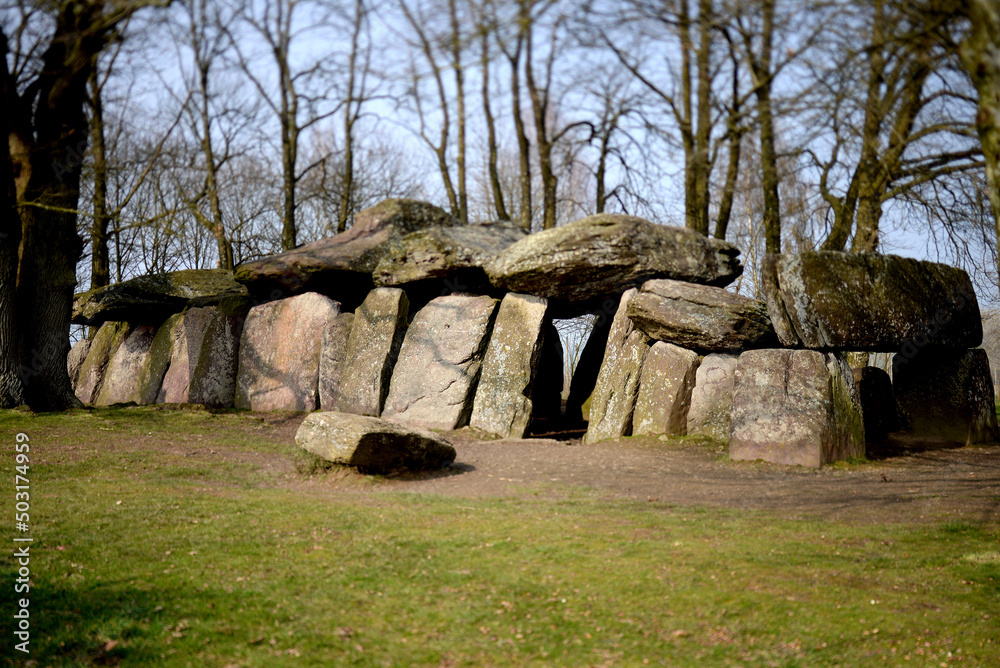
(455, 255)
(279, 354)
(439, 362)
(91, 377)
(372, 444)
(204, 358)
(712, 397)
(581, 265)
(867, 302)
(878, 404)
(665, 385)
(333, 358)
(613, 400)
(74, 361)
(701, 317)
(342, 265)
(797, 407)
(377, 332)
(133, 374)
(947, 394)
(151, 299)
(503, 402)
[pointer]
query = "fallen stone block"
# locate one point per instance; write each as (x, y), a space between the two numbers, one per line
(371, 444)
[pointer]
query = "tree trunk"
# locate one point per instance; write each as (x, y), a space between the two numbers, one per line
(456, 54)
(981, 57)
(523, 145)
(491, 133)
(11, 387)
(100, 267)
(768, 155)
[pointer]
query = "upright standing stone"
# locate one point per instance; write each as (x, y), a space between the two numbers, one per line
(439, 362)
(796, 407)
(107, 340)
(204, 358)
(127, 378)
(613, 401)
(665, 386)
(712, 397)
(279, 354)
(588, 365)
(74, 361)
(546, 395)
(503, 403)
(376, 335)
(947, 394)
(333, 357)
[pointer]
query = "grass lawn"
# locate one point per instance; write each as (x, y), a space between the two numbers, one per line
(146, 554)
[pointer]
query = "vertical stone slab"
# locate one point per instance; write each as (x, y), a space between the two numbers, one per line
(712, 397)
(372, 349)
(333, 357)
(439, 363)
(665, 385)
(74, 361)
(613, 401)
(947, 394)
(503, 404)
(878, 404)
(204, 358)
(546, 396)
(797, 407)
(124, 376)
(581, 386)
(107, 340)
(279, 354)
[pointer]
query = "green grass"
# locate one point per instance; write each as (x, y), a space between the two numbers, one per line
(160, 556)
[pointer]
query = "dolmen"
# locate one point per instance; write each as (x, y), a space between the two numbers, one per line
(411, 323)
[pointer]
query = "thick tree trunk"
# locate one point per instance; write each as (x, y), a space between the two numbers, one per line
(981, 57)
(100, 266)
(491, 133)
(768, 154)
(11, 387)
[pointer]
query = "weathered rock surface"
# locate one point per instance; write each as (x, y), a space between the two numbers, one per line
(878, 403)
(151, 299)
(342, 265)
(546, 395)
(580, 265)
(867, 302)
(701, 317)
(665, 386)
(333, 357)
(503, 402)
(107, 340)
(372, 349)
(439, 362)
(947, 394)
(372, 444)
(712, 397)
(204, 358)
(457, 254)
(132, 373)
(588, 366)
(279, 354)
(797, 407)
(613, 401)
(74, 361)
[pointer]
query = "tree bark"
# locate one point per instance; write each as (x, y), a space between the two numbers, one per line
(491, 132)
(11, 386)
(100, 267)
(761, 68)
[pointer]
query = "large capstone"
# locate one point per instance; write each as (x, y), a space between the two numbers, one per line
(151, 299)
(448, 257)
(867, 302)
(439, 362)
(372, 444)
(279, 354)
(613, 401)
(342, 265)
(377, 331)
(701, 317)
(712, 397)
(797, 407)
(665, 385)
(580, 265)
(503, 404)
(947, 394)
